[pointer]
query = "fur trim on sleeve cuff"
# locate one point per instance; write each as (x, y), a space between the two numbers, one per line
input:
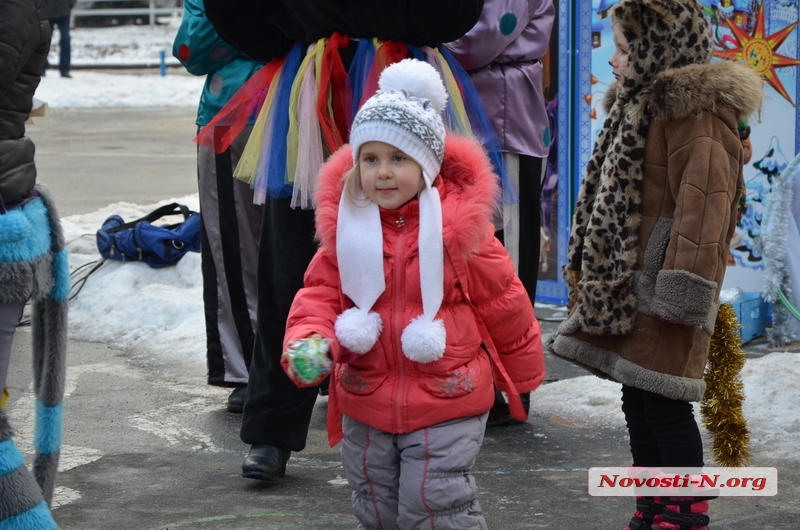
(684, 297)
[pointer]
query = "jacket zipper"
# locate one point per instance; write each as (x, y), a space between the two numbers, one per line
(399, 284)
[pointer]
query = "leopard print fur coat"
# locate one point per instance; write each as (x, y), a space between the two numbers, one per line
(656, 214)
(662, 35)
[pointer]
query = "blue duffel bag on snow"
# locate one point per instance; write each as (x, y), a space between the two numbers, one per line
(141, 240)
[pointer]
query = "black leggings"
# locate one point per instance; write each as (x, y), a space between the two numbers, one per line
(663, 431)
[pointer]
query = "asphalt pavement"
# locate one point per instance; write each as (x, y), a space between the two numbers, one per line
(148, 445)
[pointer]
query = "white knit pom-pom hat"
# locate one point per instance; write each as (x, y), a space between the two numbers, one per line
(407, 114)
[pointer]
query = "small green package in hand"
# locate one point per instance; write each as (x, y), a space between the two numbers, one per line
(308, 359)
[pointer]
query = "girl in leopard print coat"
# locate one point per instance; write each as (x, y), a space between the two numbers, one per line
(651, 232)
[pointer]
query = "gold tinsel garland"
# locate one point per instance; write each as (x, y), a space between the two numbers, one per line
(721, 409)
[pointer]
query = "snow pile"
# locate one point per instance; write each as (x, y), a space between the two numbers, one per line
(95, 89)
(156, 312)
(580, 401)
(772, 402)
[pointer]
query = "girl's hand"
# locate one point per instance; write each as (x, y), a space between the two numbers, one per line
(308, 360)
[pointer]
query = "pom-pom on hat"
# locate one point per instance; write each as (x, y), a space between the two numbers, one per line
(407, 114)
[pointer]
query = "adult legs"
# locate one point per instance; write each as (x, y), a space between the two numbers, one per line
(64, 44)
(9, 319)
(530, 189)
(521, 237)
(231, 230)
(521, 222)
(276, 412)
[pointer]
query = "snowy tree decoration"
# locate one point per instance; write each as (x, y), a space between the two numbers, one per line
(773, 246)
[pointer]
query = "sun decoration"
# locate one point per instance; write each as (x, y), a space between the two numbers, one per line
(758, 51)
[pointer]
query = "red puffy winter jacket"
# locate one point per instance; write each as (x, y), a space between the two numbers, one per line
(383, 388)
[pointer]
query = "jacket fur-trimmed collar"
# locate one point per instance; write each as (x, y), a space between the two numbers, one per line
(467, 184)
(687, 92)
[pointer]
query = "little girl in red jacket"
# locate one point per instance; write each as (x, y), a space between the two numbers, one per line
(421, 304)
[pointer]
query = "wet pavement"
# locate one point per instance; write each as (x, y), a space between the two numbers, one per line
(148, 445)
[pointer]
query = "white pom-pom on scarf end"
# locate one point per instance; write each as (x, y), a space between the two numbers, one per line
(424, 340)
(358, 330)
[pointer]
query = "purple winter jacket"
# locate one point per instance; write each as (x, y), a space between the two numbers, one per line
(501, 53)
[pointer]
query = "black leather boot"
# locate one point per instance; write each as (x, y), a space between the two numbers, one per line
(265, 462)
(236, 399)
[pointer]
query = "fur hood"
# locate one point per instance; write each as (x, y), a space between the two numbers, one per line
(689, 91)
(467, 184)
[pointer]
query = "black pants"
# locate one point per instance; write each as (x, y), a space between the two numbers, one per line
(276, 412)
(530, 190)
(64, 44)
(663, 431)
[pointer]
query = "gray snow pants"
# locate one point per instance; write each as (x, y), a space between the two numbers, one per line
(417, 480)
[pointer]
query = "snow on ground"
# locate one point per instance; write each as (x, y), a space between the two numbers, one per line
(581, 401)
(119, 46)
(123, 45)
(772, 390)
(772, 399)
(158, 313)
(99, 89)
